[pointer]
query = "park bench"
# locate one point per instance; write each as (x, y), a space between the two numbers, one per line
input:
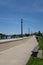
(35, 51)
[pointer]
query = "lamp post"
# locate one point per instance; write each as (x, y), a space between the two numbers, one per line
(21, 27)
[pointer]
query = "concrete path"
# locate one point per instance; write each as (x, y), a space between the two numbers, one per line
(18, 55)
(12, 43)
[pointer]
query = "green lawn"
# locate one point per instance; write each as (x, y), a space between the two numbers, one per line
(40, 42)
(34, 60)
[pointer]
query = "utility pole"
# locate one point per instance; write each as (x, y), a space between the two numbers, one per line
(21, 27)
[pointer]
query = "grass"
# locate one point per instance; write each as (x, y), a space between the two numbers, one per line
(35, 60)
(40, 42)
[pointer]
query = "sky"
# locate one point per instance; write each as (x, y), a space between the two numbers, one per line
(12, 11)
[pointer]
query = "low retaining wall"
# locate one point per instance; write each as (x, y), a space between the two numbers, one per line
(11, 40)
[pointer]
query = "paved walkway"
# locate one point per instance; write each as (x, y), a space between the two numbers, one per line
(7, 45)
(18, 55)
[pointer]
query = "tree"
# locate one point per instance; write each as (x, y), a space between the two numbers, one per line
(39, 33)
(2, 36)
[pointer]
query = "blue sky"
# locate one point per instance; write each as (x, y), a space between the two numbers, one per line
(11, 12)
